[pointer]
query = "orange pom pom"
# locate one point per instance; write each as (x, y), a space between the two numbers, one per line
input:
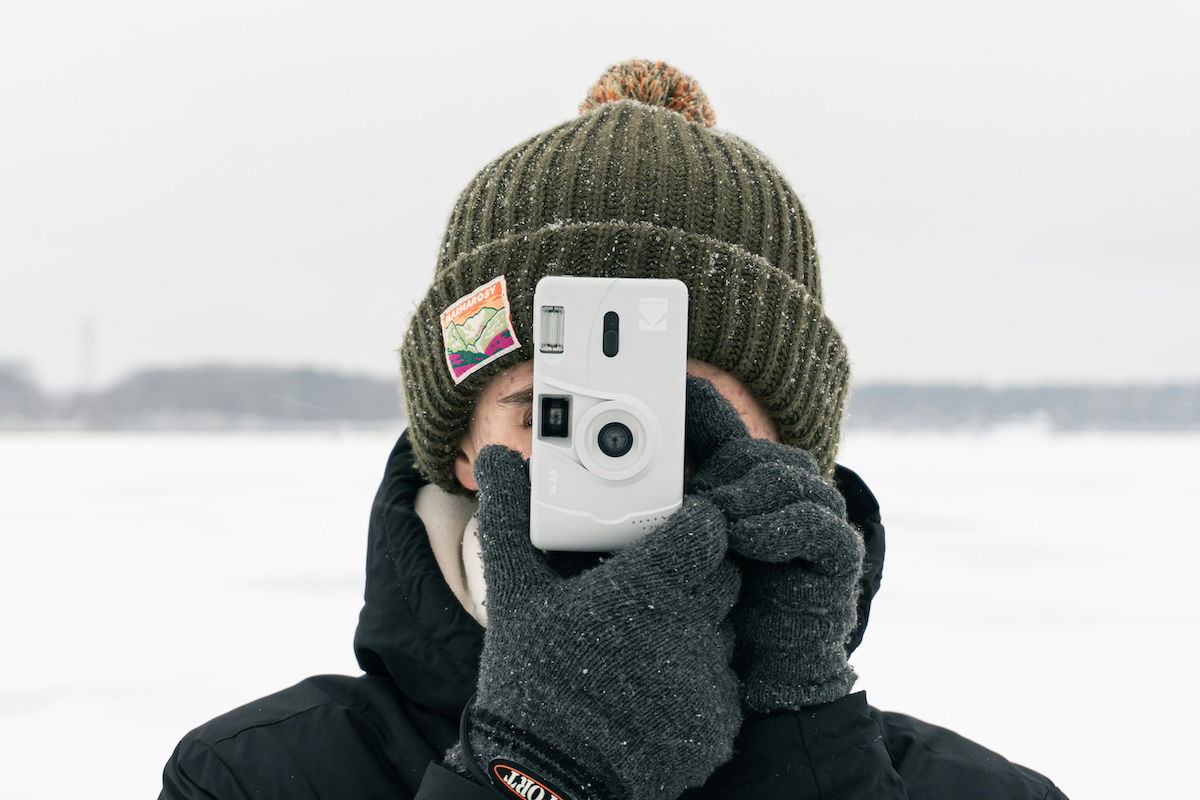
(654, 83)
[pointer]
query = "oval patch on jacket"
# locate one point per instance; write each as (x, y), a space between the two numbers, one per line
(522, 783)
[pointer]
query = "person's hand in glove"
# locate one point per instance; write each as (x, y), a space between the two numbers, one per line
(615, 682)
(800, 558)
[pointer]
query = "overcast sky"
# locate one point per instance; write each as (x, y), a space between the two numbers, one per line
(1006, 195)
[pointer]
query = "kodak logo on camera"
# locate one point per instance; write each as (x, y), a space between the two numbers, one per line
(652, 313)
(520, 782)
(477, 328)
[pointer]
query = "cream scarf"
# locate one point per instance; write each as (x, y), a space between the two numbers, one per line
(453, 531)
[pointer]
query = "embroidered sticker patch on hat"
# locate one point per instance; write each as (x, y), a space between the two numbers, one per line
(477, 328)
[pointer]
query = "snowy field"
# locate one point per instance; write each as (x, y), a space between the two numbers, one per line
(1037, 595)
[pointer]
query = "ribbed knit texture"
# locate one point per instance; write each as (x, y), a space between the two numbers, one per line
(633, 190)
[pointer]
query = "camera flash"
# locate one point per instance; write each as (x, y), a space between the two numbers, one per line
(552, 329)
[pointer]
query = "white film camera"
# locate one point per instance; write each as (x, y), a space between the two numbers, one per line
(609, 367)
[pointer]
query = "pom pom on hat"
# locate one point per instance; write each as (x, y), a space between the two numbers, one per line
(654, 83)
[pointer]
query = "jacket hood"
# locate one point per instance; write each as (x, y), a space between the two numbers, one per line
(414, 630)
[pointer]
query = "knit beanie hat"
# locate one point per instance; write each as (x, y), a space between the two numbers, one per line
(639, 185)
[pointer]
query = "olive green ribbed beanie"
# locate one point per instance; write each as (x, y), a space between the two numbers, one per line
(638, 185)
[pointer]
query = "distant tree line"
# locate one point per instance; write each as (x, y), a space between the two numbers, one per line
(1155, 407)
(221, 397)
(20, 398)
(209, 396)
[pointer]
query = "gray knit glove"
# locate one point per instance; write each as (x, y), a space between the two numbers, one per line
(614, 683)
(801, 557)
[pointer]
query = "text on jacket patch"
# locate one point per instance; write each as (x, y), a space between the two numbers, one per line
(522, 785)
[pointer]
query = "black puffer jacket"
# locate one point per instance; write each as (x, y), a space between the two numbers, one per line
(381, 735)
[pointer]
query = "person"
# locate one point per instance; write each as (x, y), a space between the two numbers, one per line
(707, 659)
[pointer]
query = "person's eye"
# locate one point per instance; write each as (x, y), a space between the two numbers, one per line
(527, 418)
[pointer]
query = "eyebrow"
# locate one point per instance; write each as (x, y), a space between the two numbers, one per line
(524, 397)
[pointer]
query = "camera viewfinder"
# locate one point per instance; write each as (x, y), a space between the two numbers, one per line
(555, 416)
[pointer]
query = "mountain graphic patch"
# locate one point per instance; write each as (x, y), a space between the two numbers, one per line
(477, 328)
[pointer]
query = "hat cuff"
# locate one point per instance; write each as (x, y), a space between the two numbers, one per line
(745, 316)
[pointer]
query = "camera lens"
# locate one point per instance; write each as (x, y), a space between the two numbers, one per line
(615, 439)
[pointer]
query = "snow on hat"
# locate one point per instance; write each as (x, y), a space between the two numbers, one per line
(640, 184)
